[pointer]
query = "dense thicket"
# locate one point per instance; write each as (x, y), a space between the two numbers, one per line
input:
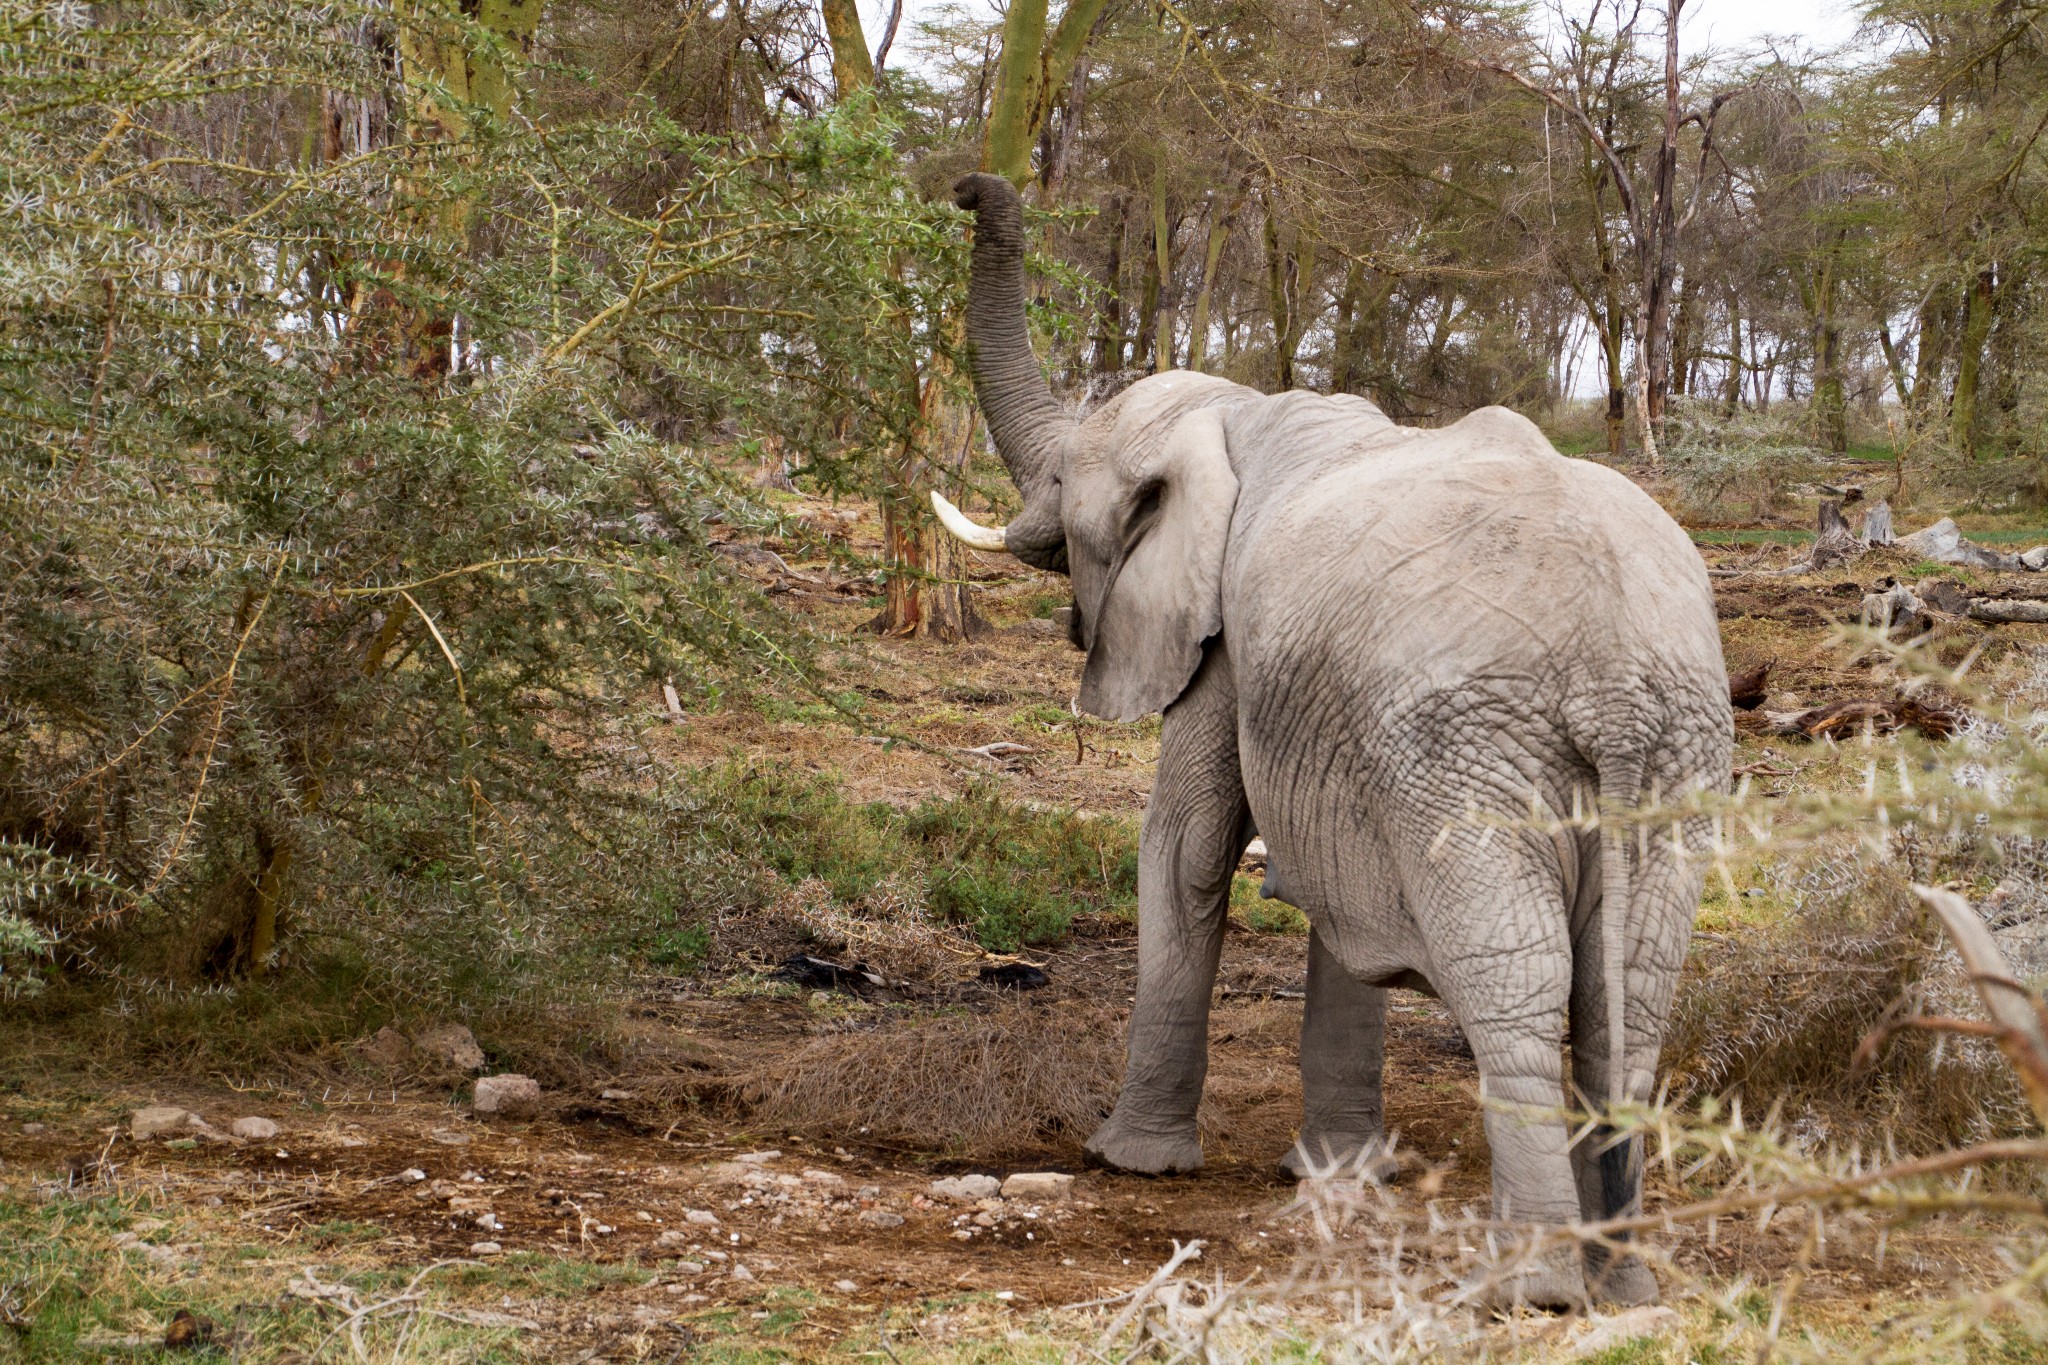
(356, 387)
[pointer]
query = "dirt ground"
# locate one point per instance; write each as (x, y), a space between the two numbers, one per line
(636, 1218)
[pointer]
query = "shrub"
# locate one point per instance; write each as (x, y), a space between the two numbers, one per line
(339, 523)
(1729, 466)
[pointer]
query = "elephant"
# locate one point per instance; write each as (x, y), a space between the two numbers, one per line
(1441, 673)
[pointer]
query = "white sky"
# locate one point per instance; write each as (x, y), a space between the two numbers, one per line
(1724, 24)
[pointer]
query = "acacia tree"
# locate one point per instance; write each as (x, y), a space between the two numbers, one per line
(926, 594)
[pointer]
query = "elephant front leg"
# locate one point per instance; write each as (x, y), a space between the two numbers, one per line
(1192, 839)
(1343, 1052)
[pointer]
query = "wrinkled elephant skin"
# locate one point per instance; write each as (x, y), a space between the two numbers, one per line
(1438, 672)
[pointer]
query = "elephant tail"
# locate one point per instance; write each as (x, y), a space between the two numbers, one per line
(1621, 785)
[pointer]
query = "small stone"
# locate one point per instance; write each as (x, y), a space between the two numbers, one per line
(253, 1129)
(845, 1286)
(759, 1158)
(1043, 1187)
(34, 1129)
(412, 1175)
(485, 1249)
(387, 1048)
(965, 1189)
(674, 1237)
(962, 1235)
(824, 1178)
(158, 1119)
(881, 1218)
(510, 1096)
(616, 1095)
(453, 1044)
(604, 1229)
(740, 1272)
(2036, 559)
(701, 1217)
(488, 1221)
(643, 1216)
(984, 1220)
(689, 1267)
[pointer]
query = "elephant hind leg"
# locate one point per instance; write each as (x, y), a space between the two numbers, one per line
(1608, 1168)
(1343, 1052)
(1501, 956)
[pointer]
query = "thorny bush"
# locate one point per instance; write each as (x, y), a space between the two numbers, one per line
(357, 466)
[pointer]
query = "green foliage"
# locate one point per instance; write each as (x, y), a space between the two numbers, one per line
(1260, 914)
(349, 492)
(1734, 465)
(1014, 876)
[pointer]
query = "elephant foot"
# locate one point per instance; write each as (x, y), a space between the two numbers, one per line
(1554, 1283)
(1340, 1157)
(1619, 1279)
(1123, 1145)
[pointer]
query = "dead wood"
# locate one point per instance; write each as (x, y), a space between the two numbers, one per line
(2005, 611)
(1833, 543)
(1843, 719)
(2022, 1024)
(1746, 691)
(1877, 525)
(1892, 608)
(1944, 544)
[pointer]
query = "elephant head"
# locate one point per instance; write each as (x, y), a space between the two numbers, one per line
(1134, 506)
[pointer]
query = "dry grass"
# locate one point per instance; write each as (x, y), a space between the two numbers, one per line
(1777, 1013)
(890, 933)
(1018, 1077)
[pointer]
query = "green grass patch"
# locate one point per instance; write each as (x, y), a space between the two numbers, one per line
(76, 1288)
(1261, 915)
(1017, 877)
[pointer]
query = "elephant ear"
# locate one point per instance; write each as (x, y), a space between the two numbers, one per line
(1164, 597)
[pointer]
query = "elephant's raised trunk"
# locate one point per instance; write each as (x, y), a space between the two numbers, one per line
(1032, 432)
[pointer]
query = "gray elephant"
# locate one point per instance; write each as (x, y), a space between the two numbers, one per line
(1382, 649)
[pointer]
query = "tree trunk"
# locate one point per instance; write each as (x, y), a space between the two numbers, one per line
(1212, 258)
(1830, 405)
(1290, 276)
(1276, 300)
(926, 595)
(1162, 270)
(1970, 364)
(1930, 349)
(1344, 359)
(1029, 75)
(852, 69)
(1011, 130)
(1683, 326)
(1894, 366)
(1109, 334)
(1731, 386)
(1142, 354)
(1059, 151)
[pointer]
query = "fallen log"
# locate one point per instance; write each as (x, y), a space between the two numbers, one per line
(2008, 611)
(1944, 544)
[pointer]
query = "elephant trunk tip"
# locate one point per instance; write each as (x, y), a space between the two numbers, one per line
(970, 190)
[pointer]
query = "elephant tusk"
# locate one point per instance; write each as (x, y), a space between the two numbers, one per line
(963, 529)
